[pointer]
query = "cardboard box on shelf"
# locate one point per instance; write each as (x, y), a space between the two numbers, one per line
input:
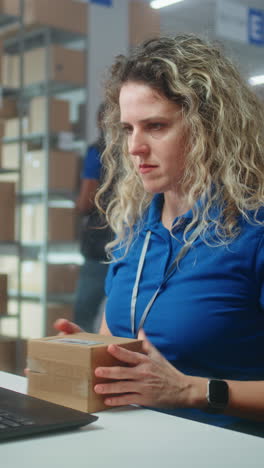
(61, 278)
(62, 368)
(9, 7)
(28, 233)
(32, 277)
(32, 319)
(12, 354)
(10, 71)
(59, 115)
(10, 155)
(63, 170)
(144, 22)
(11, 127)
(8, 108)
(62, 224)
(9, 266)
(7, 354)
(7, 210)
(56, 311)
(3, 293)
(65, 65)
(67, 15)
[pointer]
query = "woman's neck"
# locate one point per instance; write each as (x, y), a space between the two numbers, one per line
(173, 206)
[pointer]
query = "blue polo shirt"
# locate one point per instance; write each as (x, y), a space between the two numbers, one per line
(92, 163)
(208, 320)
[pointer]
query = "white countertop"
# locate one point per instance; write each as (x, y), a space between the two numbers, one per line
(132, 437)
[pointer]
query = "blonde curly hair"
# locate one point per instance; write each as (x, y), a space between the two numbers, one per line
(225, 161)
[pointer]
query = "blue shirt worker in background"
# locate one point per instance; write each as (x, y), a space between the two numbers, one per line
(93, 237)
(187, 209)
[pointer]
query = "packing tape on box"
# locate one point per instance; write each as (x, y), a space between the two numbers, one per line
(76, 341)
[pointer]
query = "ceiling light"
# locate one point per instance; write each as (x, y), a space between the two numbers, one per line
(163, 3)
(256, 80)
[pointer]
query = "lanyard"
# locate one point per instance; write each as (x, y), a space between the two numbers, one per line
(183, 251)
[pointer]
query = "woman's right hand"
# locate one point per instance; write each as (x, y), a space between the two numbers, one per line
(65, 327)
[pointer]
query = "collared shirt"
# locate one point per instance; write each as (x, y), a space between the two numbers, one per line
(209, 318)
(92, 163)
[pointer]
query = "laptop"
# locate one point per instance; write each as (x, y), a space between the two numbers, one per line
(22, 415)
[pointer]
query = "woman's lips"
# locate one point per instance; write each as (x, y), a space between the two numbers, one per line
(145, 168)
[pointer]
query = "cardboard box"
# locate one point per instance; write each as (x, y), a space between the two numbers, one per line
(29, 221)
(12, 354)
(33, 318)
(59, 115)
(3, 293)
(67, 15)
(61, 278)
(7, 354)
(9, 7)
(11, 127)
(62, 224)
(10, 155)
(63, 170)
(144, 22)
(9, 266)
(8, 108)
(11, 71)
(65, 65)
(62, 368)
(7, 210)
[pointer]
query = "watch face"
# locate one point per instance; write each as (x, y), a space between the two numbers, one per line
(217, 393)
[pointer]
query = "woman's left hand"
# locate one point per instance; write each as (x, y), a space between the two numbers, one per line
(147, 379)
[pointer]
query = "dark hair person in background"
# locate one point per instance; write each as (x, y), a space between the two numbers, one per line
(93, 237)
(187, 210)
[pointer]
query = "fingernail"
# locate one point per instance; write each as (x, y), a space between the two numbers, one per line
(98, 388)
(98, 372)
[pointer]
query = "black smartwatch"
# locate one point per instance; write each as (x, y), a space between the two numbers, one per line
(217, 395)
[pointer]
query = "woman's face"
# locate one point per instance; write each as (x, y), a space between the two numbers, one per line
(156, 136)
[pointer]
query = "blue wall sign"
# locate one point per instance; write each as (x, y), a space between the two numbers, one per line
(256, 26)
(103, 2)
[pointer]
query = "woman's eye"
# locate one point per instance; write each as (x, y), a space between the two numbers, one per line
(156, 126)
(126, 130)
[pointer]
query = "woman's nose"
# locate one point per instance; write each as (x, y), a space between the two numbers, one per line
(137, 144)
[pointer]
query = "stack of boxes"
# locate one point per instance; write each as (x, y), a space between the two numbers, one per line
(69, 15)
(65, 66)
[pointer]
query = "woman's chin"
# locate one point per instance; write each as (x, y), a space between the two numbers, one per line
(153, 188)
